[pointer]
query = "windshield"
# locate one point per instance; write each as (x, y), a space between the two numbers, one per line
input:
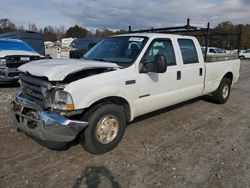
(84, 44)
(10, 45)
(120, 50)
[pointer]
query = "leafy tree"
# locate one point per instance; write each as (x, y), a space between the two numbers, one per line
(229, 41)
(245, 36)
(225, 41)
(77, 32)
(106, 32)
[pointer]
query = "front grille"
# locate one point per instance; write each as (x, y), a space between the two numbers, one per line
(2, 73)
(13, 74)
(14, 64)
(34, 88)
(18, 60)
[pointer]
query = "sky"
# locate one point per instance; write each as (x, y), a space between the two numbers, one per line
(119, 14)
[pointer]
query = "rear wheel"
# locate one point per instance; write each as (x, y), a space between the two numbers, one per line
(222, 94)
(107, 125)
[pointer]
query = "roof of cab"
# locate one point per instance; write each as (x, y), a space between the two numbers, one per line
(155, 35)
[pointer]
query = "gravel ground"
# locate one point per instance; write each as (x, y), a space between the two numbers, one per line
(194, 144)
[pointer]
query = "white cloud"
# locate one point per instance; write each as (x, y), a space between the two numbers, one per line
(144, 13)
(118, 14)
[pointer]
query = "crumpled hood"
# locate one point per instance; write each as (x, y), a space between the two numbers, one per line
(4, 53)
(58, 69)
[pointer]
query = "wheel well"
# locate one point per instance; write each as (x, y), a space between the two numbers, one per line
(229, 75)
(115, 100)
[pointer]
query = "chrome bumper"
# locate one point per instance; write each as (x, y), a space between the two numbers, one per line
(44, 125)
(9, 75)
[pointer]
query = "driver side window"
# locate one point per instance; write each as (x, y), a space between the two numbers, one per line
(160, 47)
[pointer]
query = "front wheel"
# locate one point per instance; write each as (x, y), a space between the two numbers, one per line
(242, 57)
(222, 94)
(107, 124)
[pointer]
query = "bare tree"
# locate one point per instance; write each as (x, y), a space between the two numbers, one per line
(6, 25)
(32, 27)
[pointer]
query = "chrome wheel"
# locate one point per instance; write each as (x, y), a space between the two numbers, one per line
(225, 91)
(107, 129)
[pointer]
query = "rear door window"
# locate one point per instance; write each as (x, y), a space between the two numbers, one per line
(188, 51)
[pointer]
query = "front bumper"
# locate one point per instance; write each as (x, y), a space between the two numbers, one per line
(9, 75)
(44, 125)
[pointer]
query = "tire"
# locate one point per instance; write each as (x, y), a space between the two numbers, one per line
(222, 94)
(103, 119)
(242, 57)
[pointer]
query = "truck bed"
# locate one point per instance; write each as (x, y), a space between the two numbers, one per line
(216, 69)
(222, 57)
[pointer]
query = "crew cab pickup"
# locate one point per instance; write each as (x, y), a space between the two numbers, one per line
(122, 77)
(14, 53)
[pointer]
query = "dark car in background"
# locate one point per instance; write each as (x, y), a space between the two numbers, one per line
(80, 46)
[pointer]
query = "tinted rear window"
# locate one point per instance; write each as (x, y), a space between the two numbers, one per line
(188, 51)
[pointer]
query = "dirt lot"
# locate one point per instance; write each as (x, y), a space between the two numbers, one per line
(195, 144)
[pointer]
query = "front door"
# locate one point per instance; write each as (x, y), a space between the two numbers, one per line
(158, 90)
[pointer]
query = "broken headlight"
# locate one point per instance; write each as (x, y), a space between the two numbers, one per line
(2, 63)
(59, 99)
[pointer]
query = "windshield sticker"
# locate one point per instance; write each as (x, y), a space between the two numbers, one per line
(136, 39)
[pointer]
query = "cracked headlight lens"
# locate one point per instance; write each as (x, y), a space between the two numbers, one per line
(59, 99)
(2, 63)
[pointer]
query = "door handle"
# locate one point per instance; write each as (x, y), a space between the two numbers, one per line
(178, 75)
(201, 71)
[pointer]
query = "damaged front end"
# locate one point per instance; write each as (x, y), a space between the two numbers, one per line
(7, 74)
(39, 110)
(86, 72)
(44, 125)
(44, 110)
(9, 66)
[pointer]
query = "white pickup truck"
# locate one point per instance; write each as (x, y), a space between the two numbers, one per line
(245, 54)
(122, 77)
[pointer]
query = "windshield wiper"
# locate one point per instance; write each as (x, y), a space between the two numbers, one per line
(103, 60)
(100, 59)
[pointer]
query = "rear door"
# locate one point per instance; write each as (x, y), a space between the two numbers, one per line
(192, 71)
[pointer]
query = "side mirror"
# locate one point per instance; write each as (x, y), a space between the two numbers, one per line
(160, 64)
